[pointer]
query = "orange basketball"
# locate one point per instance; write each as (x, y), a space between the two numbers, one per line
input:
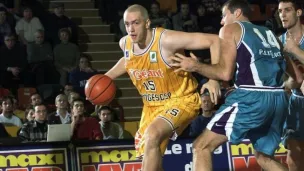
(100, 89)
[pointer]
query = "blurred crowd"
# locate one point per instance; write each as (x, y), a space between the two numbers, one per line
(39, 49)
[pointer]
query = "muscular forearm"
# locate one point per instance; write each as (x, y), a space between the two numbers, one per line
(214, 71)
(215, 51)
(299, 54)
(118, 70)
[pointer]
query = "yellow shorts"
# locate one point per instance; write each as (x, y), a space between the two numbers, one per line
(177, 112)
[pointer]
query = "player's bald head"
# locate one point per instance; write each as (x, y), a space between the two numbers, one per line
(138, 8)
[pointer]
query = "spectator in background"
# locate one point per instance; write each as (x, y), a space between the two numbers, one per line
(5, 28)
(58, 21)
(19, 113)
(84, 128)
(35, 130)
(27, 26)
(68, 88)
(158, 19)
(40, 59)
(61, 116)
(13, 64)
(199, 123)
(184, 21)
(7, 116)
(72, 96)
(29, 114)
(66, 55)
(79, 76)
(203, 20)
(109, 129)
(35, 99)
(3, 132)
(214, 11)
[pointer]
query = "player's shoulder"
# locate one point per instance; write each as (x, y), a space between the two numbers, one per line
(168, 36)
(122, 42)
(230, 29)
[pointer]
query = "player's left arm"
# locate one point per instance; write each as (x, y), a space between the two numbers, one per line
(175, 41)
(223, 70)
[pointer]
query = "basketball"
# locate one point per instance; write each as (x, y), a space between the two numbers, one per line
(100, 89)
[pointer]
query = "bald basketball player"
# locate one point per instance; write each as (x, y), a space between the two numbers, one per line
(170, 99)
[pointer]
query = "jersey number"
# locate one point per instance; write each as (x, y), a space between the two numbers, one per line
(173, 112)
(271, 39)
(149, 85)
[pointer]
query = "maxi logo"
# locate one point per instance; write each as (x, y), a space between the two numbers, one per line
(34, 160)
(134, 166)
(242, 156)
(112, 159)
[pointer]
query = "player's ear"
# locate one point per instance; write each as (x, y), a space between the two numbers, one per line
(148, 23)
(237, 13)
(299, 12)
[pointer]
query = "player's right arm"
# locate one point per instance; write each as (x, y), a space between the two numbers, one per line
(119, 68)
(295, 77)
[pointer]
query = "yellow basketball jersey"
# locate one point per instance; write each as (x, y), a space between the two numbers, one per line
(155, 80)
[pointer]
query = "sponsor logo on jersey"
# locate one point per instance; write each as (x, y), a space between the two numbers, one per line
(127, 55)
(143, 74)
(153, 58)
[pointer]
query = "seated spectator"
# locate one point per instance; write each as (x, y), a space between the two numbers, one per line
(184, 21)
(68, 88)
(59, 21)
(3, 132)
(203, 20)
(13, 64)
(213, 10)
(109, 129)
(158, 19)
(61, 116)
(35, 99)
(40, 59)
(5, 28)
(66, 55)
(29, 114)
(27, 26)
(7, 116)
(79, 76)
(84, 128)
(35, 130)
(72, 96)
(207, 110)
(19, 113)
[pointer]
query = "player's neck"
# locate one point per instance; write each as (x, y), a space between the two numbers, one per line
(243, 19)
(207, 113)
(296, 30)
(146, 41)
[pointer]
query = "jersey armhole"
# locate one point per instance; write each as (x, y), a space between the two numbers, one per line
(160, 49)
(242, 34)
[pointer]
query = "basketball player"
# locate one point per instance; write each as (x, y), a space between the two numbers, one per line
(258, 107)
(170, 99)
(293, 40)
